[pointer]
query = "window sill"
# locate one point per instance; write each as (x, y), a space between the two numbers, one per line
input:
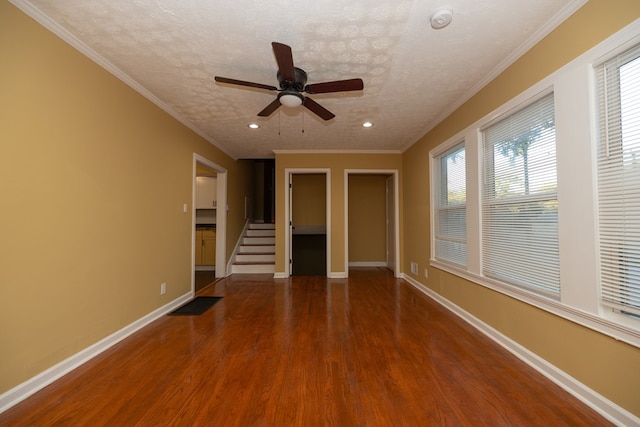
(614, 329)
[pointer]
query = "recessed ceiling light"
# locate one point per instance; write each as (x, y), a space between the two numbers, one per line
(253, 125)
(367, 124)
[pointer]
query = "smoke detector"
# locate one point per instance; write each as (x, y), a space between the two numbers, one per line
(441, 18)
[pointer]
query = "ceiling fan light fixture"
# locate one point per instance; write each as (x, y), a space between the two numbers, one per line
(367, 124)
(292, 82)
(253, 126)
(291, 100)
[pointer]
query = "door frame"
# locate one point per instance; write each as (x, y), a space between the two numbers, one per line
(221, 217)
(390, 191)
(288, 172)
(394, 228)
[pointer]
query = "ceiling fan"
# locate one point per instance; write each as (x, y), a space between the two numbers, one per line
(293, 84)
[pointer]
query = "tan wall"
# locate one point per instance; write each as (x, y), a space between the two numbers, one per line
(367, 218)
(93, 179)
(309, 199)
(602, 363)
(337, 163)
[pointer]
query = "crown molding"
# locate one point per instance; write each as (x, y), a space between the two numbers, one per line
(87, 51)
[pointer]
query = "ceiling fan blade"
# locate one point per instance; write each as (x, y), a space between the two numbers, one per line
(284, 58)
(318, 109)
(243, 83)
(336, 86)
(269, 109)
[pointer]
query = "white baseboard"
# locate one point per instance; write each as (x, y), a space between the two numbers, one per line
(337, 275)
(43, 379)
(605, 407)
(368, 264)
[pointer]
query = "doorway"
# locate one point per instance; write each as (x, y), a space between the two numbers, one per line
(307, 243)
(209, 220)
(261, 204)
(371, 219)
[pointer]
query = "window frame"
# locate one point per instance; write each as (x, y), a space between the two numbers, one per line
(612, 306)
(440, 189)
(576, 118)
(490, 200)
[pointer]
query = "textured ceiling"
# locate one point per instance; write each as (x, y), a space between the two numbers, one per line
(413, 75)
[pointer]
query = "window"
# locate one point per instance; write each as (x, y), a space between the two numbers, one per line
(519, 200)
(450, 201)
(549, 183)
(619, 181)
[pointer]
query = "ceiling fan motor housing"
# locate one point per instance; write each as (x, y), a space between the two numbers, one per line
(298, 85)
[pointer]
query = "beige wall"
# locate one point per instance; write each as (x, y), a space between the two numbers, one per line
(337, 163)
(367, 218)
(309, 199)
(602, 363)
(93, 179)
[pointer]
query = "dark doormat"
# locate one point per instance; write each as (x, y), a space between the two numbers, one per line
(196, 306)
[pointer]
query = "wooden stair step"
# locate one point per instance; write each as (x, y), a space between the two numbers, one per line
(254, 263)
(256, 253)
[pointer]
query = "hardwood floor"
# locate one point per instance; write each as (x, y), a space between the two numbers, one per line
(204, 279)
(306, 351)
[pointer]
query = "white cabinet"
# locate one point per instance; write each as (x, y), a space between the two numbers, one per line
(206, 192)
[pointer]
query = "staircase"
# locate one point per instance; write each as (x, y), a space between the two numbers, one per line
(257, 252)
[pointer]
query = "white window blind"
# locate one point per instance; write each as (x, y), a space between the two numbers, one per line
(619, 181)
(519, 200)
(451, 211)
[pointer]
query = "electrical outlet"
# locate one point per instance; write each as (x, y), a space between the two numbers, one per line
(426, 273)
(163, 288)
(414, 267)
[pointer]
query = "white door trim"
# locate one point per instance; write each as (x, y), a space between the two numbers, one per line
(221, 217)
(287, 215)
(396, 209)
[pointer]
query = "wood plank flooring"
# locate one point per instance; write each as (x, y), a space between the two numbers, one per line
(204, 278)
(306, 351)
